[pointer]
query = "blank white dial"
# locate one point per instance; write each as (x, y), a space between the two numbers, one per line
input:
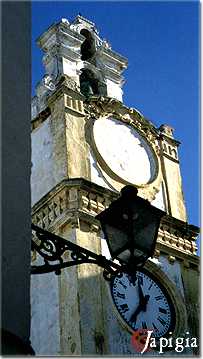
(156, 315)
(124, 151)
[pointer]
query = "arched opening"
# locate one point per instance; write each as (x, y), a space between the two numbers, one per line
(88, 46)
(88, 83)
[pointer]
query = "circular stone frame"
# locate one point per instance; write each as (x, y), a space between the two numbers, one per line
(176, 298)
(106, 167)
(148, 190)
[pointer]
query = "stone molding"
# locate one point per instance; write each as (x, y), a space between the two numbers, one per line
(76, 200)
(60, 34)
(69, 83)
(104, 107)
(168, 144)
(74, 104)
(73, 100)
(173, 254)
(38, 120)
(71, 199)
(169, 148)
(66, 85)
(80, 23)
(173, 236)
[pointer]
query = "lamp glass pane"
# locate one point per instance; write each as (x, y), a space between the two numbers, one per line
(116, 238)
(145, 229)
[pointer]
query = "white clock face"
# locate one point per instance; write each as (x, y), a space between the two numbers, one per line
(143, 304)
(124, 151)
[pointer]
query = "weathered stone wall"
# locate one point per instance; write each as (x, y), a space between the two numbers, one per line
(70, 338)
(45, 324)
(76, 147)
(191, 282)
(42, 161)
(89, 296)
(174, 189)
(59, 149)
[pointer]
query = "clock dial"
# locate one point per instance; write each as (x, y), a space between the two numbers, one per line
(143, 304)
(124, 151)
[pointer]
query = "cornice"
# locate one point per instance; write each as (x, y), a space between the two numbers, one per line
(170, 140)
(65, 86)
(40, 118)
(188, 260)
(75, 200)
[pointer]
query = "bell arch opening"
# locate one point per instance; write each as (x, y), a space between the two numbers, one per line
(89, 84)
(88, 48)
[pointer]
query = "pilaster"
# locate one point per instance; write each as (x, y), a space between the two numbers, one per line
(171, 173)
(60, 149)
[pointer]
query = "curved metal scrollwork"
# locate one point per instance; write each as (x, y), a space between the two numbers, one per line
(52, 247)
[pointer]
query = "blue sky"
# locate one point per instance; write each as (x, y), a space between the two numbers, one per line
(161, 42)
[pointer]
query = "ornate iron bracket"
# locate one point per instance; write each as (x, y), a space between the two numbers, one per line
(52, 247)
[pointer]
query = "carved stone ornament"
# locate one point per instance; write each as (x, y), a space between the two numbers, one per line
(70, 202)
(71, 84)
(178, 235)
(100, 108)
(83, 23)
(48, 82)
(80, 22)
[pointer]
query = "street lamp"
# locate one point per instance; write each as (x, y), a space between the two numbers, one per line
(130, 226)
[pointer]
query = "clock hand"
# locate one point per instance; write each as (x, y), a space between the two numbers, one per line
(141, 295)
(133, 317)
(143, 298)
(142, 307)
(145, 301)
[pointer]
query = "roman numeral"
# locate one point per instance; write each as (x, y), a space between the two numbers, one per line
(161, 321)
(154, 326)
(144, 325)
(150, 286)
(162, 310)
(124, 307)
(123, 285)
(159, 297)
(120, 295)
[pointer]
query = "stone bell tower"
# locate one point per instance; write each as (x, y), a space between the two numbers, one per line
(87, 145)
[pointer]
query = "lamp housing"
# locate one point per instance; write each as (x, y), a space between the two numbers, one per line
(130, 225)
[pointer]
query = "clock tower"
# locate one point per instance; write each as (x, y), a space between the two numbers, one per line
(86, 146)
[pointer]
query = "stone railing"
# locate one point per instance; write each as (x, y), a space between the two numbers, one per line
(79, 199)
(76, 196)
(174, 236)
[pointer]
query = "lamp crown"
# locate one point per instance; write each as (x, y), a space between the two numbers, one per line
(129, 192)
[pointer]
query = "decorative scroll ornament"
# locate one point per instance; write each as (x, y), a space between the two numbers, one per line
(99, 106)
(48, 83)
(52, 247)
